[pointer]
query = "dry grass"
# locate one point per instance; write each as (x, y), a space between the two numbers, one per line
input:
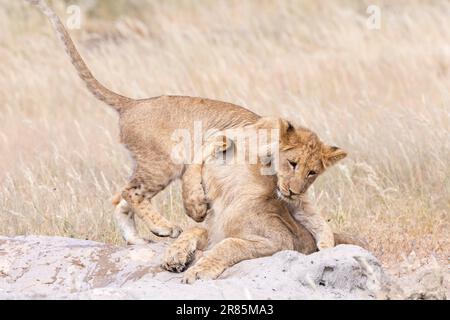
(383, 95)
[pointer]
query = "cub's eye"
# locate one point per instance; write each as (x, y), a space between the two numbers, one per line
(312, 173)
(293, 164)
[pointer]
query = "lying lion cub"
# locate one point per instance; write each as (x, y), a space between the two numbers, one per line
(247, 218)
(299, 172)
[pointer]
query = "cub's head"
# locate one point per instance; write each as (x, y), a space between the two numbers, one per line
(302, 157)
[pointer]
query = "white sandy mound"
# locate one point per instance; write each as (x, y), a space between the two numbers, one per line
(61, 268)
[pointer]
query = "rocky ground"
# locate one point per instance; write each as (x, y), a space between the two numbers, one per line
(33, 267)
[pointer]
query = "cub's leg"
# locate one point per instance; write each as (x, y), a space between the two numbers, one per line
(194, 197)
(138, 194)
(124, 217)
(182, 251)
(227, 253)
(320, 229)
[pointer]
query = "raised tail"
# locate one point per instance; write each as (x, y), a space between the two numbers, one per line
(102, 93)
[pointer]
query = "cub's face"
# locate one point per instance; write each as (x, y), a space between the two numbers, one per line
(302, 158)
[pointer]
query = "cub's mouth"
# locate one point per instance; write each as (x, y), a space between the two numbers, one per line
(282, 195)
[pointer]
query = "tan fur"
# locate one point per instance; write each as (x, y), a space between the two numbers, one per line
(247, 218)
(303, 212)
(194, 198)
(299, 145)
(193, 194)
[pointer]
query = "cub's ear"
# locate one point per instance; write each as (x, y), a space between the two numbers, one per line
(331, 155)
(269, 123)
(273, 123)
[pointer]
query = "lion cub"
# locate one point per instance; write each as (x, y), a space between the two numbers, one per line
(196, 203)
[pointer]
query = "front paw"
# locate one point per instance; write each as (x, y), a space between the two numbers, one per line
(177, 258)
(202, 271)
(199, 212)
(167, 231)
